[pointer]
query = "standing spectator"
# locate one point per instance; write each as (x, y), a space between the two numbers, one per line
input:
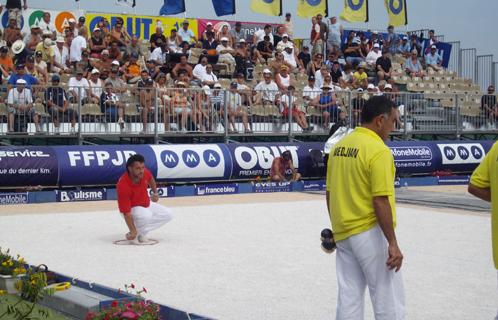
(242, 57)
(147, 103)
(12, 32)
(413, 67)
(97, 43)
(111, 106)
(260, 35)
(237, 34)
(80, 25)
(103, 25)
(289, 25)
(315, 36)
(46, 25)
(373, 55)
(433, 59)
(57, 104)
(384, 66)
(185, 34)
(432, 38)
(78, 88)
(321, 74)
(155, 36)
(235, 109)
(77, 46)
(277, 38)
(226, 54)
(14, 9)
(415, 45)
(280, 167)
(61, 56)
(304, 56)
(376, 38)
(267, 90)
(319, 41)
(391, 40)
(489, 107)
(335, 33)
(180, 106)
(361, 205)
(20, 105)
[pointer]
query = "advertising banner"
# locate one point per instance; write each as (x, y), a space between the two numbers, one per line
(314, 185)
(213, 189)
(98, 165)
(30, 17)
(263, 187)
(141, 26)
(413, 157)
(164, 192)
(81, 195)
(28, 166)
(13, 198)
(247, 27)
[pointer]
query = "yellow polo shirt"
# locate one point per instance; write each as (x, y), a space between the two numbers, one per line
(486, 176)
(47, 53)
(360, 167)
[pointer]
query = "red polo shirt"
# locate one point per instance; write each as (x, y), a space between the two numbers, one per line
(132, 195)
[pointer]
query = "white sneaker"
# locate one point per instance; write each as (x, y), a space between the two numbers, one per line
(142, 239)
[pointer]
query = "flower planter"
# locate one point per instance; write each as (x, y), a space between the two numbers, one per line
(7, 283)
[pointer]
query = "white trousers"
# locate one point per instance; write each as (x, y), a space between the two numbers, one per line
(361, 262)
(151, 218)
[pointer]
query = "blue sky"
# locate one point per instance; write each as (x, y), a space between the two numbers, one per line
(471, 22)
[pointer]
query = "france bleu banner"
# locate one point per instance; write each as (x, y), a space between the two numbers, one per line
(224, 7)
(171, 7)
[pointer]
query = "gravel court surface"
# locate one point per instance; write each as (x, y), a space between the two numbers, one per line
(257, 256)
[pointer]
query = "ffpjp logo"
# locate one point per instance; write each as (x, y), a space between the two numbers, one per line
(461, 153)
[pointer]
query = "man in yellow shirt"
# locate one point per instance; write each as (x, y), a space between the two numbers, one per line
(484, 185)
(360, 201)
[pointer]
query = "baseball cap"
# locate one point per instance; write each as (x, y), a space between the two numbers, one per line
(376, 45)
(266, 71)
(207, 90)
(71, 20)
(242, 41)
(224, 39)
(105, 51)
(95, 70)
(81, 19)
(311, 78)
(388, 86)
(21, 81)
(285, 35)
(56, 77)
(4, 49)
(38, 53)
(209, 24)
(433, 47)
(115, 62)
(233, 84)
(217, 85)
(60, 39)
(370, 86)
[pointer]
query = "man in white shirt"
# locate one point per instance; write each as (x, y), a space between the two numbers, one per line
(46, 25)
(159, 55)
(373, 55)
(200, 68)
(78, 87)
(291, 58)
(185, 33)
(289, 25)
(226, 54)
(260, 34)
(267, 90)
(20, 105)
(320, 75)
(235, 110)
(96, 86)
(209, 78)
(281, 45)
(77, 45)
(311, 91)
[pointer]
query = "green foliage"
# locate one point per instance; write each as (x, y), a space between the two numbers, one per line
(10, 265)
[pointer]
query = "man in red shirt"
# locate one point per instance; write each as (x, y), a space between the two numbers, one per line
(279, 167)
(140, 214)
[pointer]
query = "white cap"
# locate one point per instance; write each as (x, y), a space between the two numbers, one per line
(59, 39)
(115, 62)
(71, 20)
(388, 86)
(433, 47)
(95, 70)
(375, 32)
(47, 43)
(224, 39)
(207, 90)
(217, 85)
(356, 40)
(96, 29)
(289, 45)
(47, 33)
(266, 71)
(370, 86)
(285, 35)
(209, 24)
(21, 81)
(405, 38)
(376, 45)
(105, 51)
(242, 41)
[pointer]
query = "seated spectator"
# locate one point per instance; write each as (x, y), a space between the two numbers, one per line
(347, 76)
(433, 59)
(237, 33)
(203, 107)
(235, 109)
(182, 65)
(283, 79)
(181, 106)
(226, 54)
(413, 67)
(6, 63)
(20, 73)
(185, 49)
(327, 103)
(151, 69)
(373, 55)
(144, 76)
(183, 77)
(267, 92)
(264, 50)
(84, 64)
(118, 85)
(290, 57)
(40, 67)
(115, 51)
(147, 98)
(360, 78)
(111, 107)
(489, 107)
(173, 41)
(244, 90)
(200, 69)
(57, 105)
(278, 36)
(289, 102)
(12, 33)
(158, 35)
(281, 166)
(33, 38)
(432, 40)
(61, 56)
(209, 78)
(133, 48)
(305, 57)
(224, 33)
(210, 43)
(278, 62)
(415, 45)
(218, 101)
(104, 63)
(315, 64)
(384, 66)
(160, 54)
(47, 50)
(46, 25)
(103, 25)
(209, 29)
(321, 74)
(364, 44)
(311, 91)
(97, 43)
(242, 57)
(132, 69)
(352, 52)
(163, 98)
(283, 43)
(336, 75)
(404, 48)
(20, 107)
(96, 87)
(78, 88)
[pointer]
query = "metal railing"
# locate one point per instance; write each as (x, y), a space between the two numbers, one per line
(152, 112)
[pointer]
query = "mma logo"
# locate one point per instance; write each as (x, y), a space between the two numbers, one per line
(461, 153)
